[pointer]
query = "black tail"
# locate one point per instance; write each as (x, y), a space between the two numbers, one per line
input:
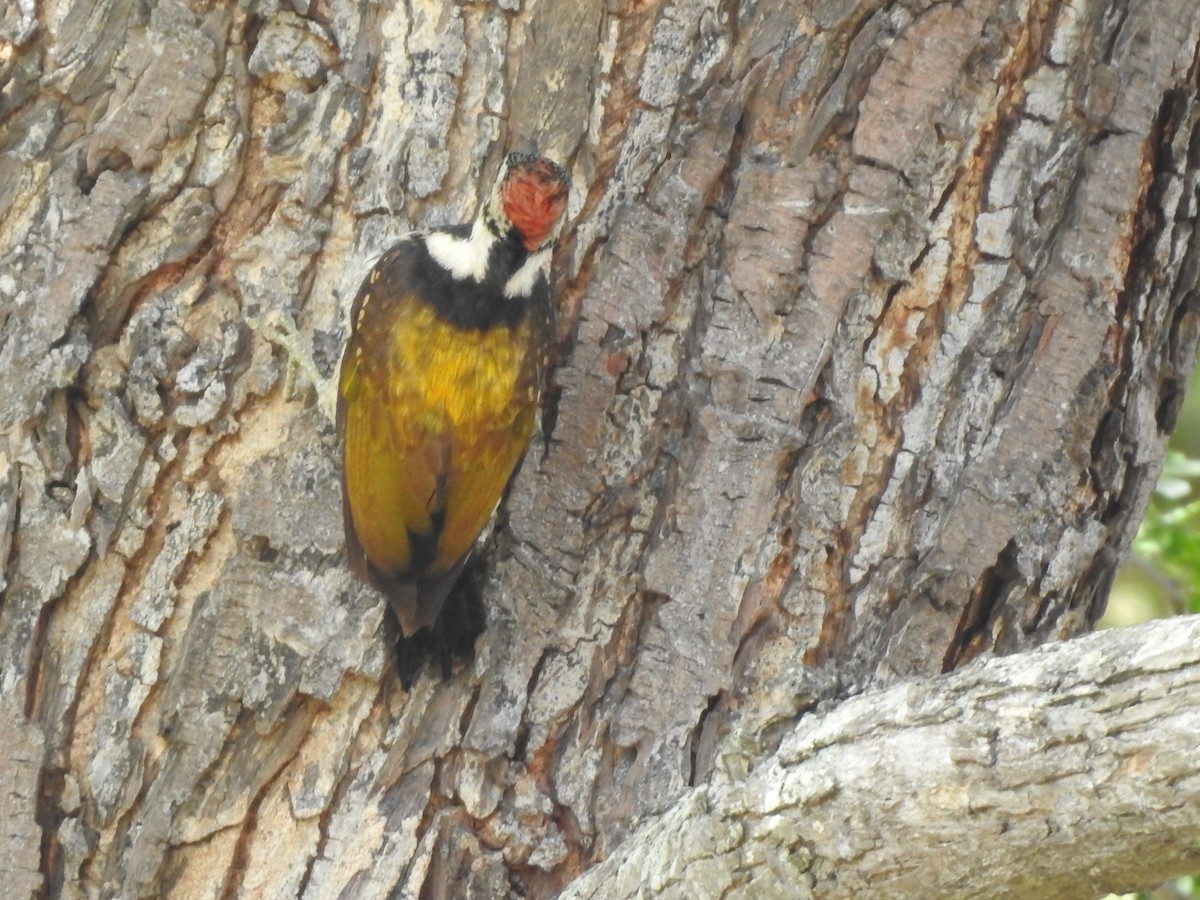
(451, 637)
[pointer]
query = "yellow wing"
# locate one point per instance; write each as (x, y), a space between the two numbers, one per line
(394, 481)
(480, 467)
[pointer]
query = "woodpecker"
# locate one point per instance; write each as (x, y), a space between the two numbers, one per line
(439, 387)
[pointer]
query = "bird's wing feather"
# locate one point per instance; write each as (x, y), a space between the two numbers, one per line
(479, 470)
(394, 465)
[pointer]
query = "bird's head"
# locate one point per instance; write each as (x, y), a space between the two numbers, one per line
(530, 198)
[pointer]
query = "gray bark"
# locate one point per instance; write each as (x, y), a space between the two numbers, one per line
(875, 319)
(1066, 771)
(21, 750)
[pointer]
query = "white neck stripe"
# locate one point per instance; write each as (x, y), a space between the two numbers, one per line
(522, 281)
(463, 257)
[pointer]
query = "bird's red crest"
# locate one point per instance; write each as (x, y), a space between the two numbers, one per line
(534, 194)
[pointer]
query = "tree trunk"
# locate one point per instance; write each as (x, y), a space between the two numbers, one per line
(875, 318)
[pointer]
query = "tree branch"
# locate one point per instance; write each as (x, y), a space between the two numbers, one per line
(1072, 768)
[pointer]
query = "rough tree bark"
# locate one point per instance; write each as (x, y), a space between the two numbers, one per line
(875, 318)
(1056, 757)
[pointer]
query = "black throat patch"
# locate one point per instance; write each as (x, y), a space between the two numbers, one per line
(470, 304)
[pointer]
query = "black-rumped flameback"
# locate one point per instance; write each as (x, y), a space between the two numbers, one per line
(439, 386)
